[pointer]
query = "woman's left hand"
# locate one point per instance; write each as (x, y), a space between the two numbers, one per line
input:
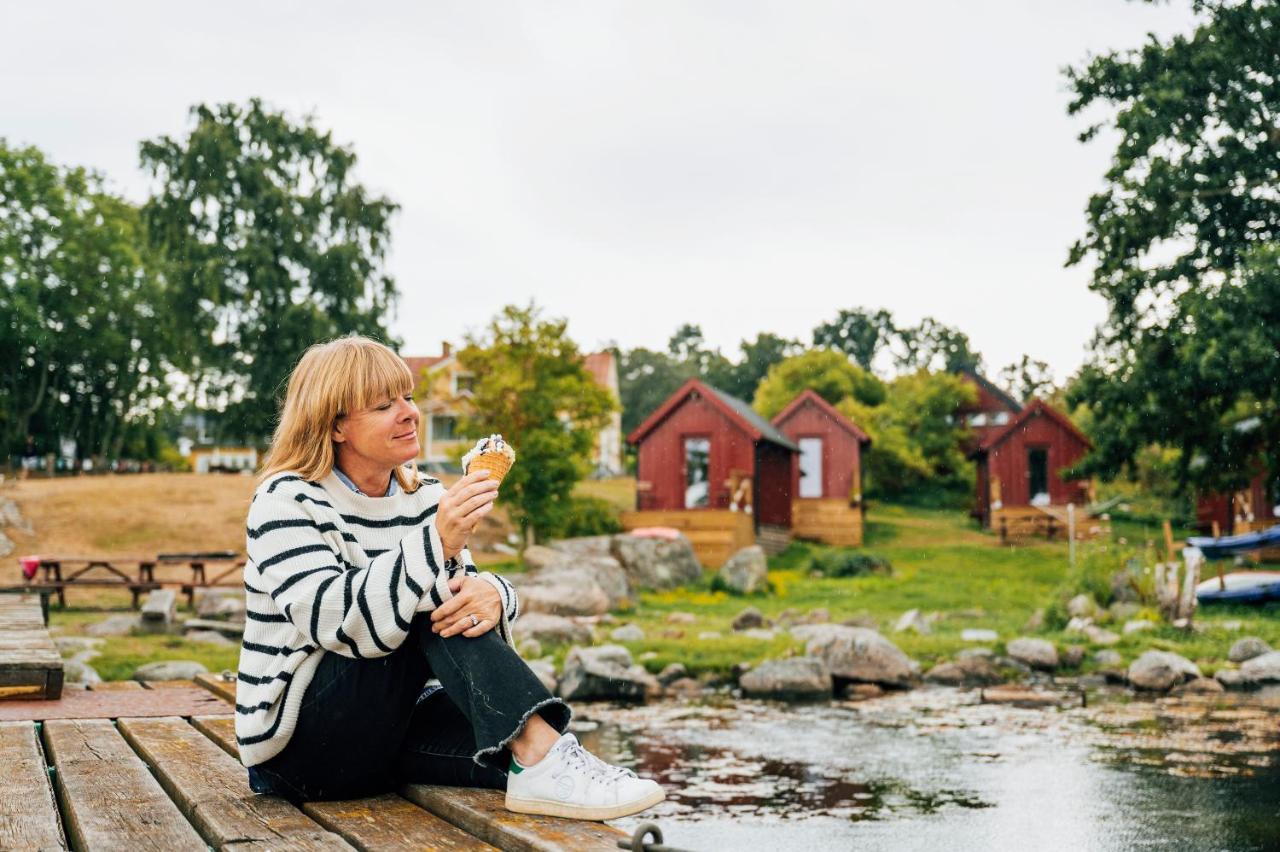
(471, 596)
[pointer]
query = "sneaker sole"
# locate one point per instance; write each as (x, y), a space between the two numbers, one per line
(545, 807)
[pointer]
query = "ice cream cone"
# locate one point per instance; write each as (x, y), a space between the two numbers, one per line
(496, 463)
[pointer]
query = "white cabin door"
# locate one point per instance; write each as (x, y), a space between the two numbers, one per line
(810, 467)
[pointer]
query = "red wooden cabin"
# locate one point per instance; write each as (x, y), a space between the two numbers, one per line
(993, 410)
(826, 475)
(1019, 466)
(707, 461)
(1247, 510)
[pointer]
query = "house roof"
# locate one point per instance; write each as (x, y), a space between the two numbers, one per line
(735, 409)
(811, 396)
(1034, 408)
(418, 363)
(991, 388)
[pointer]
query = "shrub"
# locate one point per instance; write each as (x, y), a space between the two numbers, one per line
(848, 563)
(589, 516)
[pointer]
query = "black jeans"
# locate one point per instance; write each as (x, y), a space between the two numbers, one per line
(361, 729)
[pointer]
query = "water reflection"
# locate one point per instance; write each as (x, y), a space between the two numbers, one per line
(935, 769)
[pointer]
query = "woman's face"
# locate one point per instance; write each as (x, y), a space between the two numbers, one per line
(385, 434)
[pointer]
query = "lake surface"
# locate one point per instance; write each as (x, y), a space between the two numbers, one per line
(935, 769)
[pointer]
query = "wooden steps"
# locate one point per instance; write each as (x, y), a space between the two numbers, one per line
(828, 520)
(30, 665)
(716, 534)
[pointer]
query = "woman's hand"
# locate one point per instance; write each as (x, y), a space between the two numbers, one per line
(460, 509)
(471, 596)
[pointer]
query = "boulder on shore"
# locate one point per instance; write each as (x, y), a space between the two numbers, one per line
(550, 629)
(790, 678)
(1036, 653)
(748, 619)
(969, 670)
(1160, 671)
(861, 654)
(1247, 648)
(656, 563)
(605, 673)
(169, 670)
(746, 571)
(1262, 669)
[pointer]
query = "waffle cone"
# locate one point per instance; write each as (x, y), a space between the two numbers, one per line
(496, 463)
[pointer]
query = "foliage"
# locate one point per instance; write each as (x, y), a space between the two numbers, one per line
(86, 331)
(857, 332)
(272, 246)
(840, 562)
(588, 516)
(931, 345)
(532, 387)
(826, 372)
(1028, 379)
(1182, 244)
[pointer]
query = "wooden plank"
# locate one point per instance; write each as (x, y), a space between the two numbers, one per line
(109, 800)
(221, 730)
(28, 812)
(117, 686)
(113, 704)
(224, 689)
(212, 790)
(389, 822)
(482, 813)
(30, 665)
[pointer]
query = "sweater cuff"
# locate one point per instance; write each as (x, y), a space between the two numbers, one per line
(504, 623)
(436, 575)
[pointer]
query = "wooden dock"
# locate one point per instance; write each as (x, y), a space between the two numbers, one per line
(30, 665)
(156, 769)
(716, 534)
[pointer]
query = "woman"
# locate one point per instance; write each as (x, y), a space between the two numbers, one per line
(360, 589)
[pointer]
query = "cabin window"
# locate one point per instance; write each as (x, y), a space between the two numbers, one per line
(979, 419)
(1038, 475)
(697, 473)
(444, 428)
(810, 467)
(1000, 418)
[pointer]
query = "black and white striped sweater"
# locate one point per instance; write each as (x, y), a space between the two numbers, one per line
(330, 569)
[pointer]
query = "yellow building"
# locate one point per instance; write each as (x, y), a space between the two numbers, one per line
(444, 397)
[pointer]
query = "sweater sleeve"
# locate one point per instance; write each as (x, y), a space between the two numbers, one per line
(356, 612)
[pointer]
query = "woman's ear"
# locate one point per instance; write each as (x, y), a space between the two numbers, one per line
(336, 433)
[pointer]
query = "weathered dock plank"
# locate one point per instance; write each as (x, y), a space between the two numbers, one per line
(211, 788)
(224, 689)
(28, 812)
(115, 703)
(389, 823)
(108, 798)
(30, 665)
(482, 813)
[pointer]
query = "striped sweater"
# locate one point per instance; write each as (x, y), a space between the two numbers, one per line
(330, 569)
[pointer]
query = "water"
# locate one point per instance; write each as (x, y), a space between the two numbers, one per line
(933, 769)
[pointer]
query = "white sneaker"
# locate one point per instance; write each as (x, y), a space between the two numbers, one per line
(572, 782)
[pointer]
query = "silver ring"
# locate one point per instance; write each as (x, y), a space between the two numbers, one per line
(475, 622)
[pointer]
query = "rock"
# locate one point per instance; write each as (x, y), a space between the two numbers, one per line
(856, 653)
(1262, 669)
(1124, 584)
(1247, 648)
(604, 673)
(77, 644)
(1078, 624)
(234, 629)
(985, 653)
(862, 620)
(746, 571)
(1020, 696)
(627, 633)
(169, 670)
(77, 671)
(657, 563)
(529, 649)
(210, 637)
(965, 671)
(1036, 653)
(672, 673)
(974, 634)
(748, 618)
(592, 545)
(790, 678)
(1100, 636)
(1014, 665)
(545, 672)
(550, 629)
(159, 610)
(1159, 671)
(1200, 685)
(1108, 658)
(685, 687)
(1073, 655)
(601, 571)
(115, 625)
(806, 632)
(764, 634)
(538, 557)
(1123, 610)
(220, 604)
(1231, 679)
(787, 618)
(1082, 606)
(818, 615)
(681, 618)
(861, 691)
(573, 594)
(1138, 625)
(912, 620)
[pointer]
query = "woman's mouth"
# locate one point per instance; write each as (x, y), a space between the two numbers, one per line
(405, 436)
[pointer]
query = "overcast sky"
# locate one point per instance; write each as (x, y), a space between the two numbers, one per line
(746, 166)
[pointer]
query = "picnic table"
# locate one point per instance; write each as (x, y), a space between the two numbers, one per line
(135, 573)
(171, 756)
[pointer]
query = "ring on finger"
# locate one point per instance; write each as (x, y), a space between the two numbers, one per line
(475, 622)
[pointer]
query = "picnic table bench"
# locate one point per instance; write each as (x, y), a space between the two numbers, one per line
(59, 572)
(30, 665)
(133, 766)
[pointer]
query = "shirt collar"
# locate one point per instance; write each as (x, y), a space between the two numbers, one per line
(392, 488)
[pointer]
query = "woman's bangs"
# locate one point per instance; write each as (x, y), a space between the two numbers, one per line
(379, 375)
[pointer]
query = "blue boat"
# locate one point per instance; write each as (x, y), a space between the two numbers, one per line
(1231, 545)
(1242, 587)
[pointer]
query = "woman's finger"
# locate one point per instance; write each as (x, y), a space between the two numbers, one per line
(483, 627)
(470, 505)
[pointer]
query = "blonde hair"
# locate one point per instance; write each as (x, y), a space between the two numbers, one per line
(330, 380)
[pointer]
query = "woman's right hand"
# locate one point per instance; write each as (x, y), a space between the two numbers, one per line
(460, 509)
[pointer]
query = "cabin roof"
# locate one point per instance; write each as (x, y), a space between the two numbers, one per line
(810, 395)
(992, 388)
(737, 410)
(1036, 406)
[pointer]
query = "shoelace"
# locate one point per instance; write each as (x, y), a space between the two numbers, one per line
(596, 766)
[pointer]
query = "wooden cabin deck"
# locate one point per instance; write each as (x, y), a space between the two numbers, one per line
(830, 520)
(1019, 523)
(716, 534)
(123, 766)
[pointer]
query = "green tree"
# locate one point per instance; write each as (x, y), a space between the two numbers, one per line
(859, 333)
(933, 346)
(645, 379)
(87, 337)
(1028, 379)
(273, 245)
(532, 388)
(828, 373)
(1182, 244)
(758, 356)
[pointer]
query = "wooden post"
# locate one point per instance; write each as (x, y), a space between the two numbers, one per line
(1168, 541)
(1187, 604)
(1071, 535)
